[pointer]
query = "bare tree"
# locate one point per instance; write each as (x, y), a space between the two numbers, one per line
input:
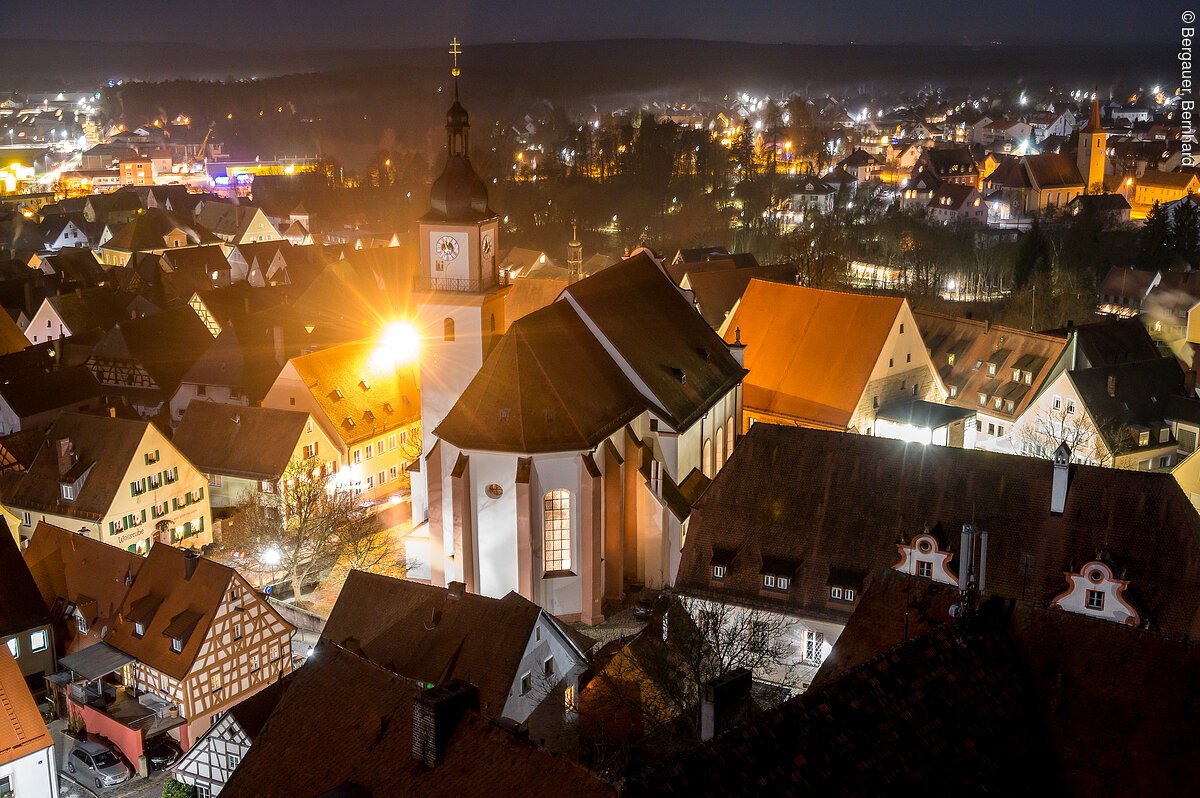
(645, 699)
(304, 524)
(1088, 441)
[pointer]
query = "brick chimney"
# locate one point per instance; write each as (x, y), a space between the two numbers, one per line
(436, 714)
(66, 455)
(725, 702)
(737, 348)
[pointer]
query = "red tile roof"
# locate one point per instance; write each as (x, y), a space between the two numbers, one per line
(22, 731)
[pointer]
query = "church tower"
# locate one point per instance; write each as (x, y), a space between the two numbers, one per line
(459, 303)
(574, 255)
(1090, 156)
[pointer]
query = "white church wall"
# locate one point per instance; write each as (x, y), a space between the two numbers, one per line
(560, 595)
(496, 521)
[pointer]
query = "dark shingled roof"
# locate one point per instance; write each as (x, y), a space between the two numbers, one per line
(109, 444)
(1110, 342)
(833, 500)
(160, 590)
(550, 385)
(1141, 391)
(250, 442)
(345, 725)
(252, 714)
(717, 292)
(907, 704)
(475, 638)
(21, 605)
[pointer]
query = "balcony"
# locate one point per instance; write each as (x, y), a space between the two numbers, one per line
(461, 285)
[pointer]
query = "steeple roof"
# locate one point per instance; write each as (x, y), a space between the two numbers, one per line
(1093, 125)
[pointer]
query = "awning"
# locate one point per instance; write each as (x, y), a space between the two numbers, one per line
(95, 661)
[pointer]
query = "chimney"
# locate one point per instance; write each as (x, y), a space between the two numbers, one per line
(1070, 324)
(66, 455)
(1062, 468)
(436, 714)
(191, 558)
(987, 325)
(972, 554)
(725, 703)
(1112, 384)
(737, 348)
(454, 590)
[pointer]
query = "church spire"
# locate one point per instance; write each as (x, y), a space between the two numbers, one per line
(1093, 125)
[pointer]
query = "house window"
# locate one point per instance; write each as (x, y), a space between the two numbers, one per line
(234, 761)
(908, 358)
(38, 641)
(68, 492)
(849, 594)
(153, 457)
(139, 628)
(983, 400)
(902, 328)
(556, 530)
(526, 683)
(370, 451)
(718, 572)
(759, 636)
(14, 647)
(548, 667)
(925, 569)
(214, 682)
(393, 472)
(176, 644)
(769, 580)
(448, 329)
(254, 662)
(81, 624)
(950, 359)
(782, 582)
(813, 643)
(953, 391)
(1095, 600)
(569, 698)
(1164, 461)
(357, 456)
(916, 388)
(1070, 407)
(391, 441)
(891, 362)
(310, 450)
(370, 483)
(381, 477)
(202, 791)
(237, 631)
(835, 592)
(991, 369)
(26, 519)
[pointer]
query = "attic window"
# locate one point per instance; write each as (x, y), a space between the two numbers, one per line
(176, 644)
(368, 415)
(366, 386)
(337, 394)
(387, 407)
(350, 422)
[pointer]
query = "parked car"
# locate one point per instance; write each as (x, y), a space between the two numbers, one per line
(98, 762)
(161, 752)
(644, 609)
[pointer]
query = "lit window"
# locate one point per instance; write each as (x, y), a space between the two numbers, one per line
(782, 583)
(38, 641)
(14, 647)
(254, 662)
(556, 530)
(139, 628)
(718, 572)
(835, 592)
(849, 594)
(176, 644)
(214, 682)
(769, 580)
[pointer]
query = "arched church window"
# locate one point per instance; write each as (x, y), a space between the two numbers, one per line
(556, 530)
(448, 329)
(707, 466)
(729, 439)
(720, 439)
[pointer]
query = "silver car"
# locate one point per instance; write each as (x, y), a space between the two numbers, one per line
(99, 762)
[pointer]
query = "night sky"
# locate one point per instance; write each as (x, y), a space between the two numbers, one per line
(401, 23)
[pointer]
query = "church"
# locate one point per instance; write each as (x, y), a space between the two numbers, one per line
(561, 452)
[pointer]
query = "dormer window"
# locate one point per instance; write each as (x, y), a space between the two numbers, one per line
(718, 572)
(176, 645)
(991, 369)
(68, 492)
(1095, 600)
(925, 569)
(139, 629)
(366, 386)
(953, 391)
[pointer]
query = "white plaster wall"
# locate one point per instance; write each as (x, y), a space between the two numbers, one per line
(567, 665)
(34, 774)
(496, 522)
(560, 595)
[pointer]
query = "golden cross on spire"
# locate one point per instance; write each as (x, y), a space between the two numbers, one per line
(456, 51)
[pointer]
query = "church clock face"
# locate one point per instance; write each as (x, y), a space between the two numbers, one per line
(485, 246)
(446, 248)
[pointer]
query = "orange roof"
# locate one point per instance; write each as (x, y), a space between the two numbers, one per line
(22, 731)
(810, 352)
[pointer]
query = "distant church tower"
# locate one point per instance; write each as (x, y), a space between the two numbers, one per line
(574, 255)
(1090, 156)
(459, 303)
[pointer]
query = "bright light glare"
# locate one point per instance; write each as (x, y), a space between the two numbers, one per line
(271, 557)
(400, 342)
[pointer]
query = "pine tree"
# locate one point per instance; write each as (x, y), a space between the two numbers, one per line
(1185, 232)
(1154, 238)
(1032, 255)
